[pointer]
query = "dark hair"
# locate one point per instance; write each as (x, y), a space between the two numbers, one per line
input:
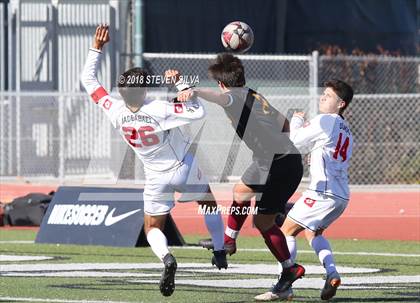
(132, 84)
(134, 77)
(342, 89)
(228, 69)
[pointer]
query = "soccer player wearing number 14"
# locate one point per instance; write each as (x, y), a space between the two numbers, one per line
(151, 128)
(331, 141)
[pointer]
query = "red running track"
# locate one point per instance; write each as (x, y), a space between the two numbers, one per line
(370, 215)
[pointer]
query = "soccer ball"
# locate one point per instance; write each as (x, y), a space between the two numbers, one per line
(237, 37)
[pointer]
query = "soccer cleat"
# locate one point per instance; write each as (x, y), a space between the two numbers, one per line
(206, 243)
(332, 282)
(167, 281)
(273, 296)
(230, 247)
(219, 259)
(288, 276)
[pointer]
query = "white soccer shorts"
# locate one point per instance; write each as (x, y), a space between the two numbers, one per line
(316, 211)
(159, 189)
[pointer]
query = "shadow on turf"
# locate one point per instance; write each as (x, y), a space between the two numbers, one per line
(382, 299)
(122, 286)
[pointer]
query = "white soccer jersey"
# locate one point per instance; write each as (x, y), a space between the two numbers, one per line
(331, 142)
(152, 132)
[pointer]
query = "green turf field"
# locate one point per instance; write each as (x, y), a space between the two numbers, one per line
(107, 274)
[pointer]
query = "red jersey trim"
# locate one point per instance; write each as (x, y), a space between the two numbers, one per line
(98, 94)
(178, 108)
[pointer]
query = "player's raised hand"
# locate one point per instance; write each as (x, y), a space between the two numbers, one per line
(185, 95)
(101, 36)
(299, 114)
(172, 73)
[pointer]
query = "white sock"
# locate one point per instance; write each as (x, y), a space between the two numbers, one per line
(215, 227)
(322, 248)
(158, 242)
(291, 244)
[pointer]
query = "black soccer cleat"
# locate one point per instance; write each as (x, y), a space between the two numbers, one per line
(167, 281)
(230, 247)
(206, 243)
(332, 282)
(288, 276)
(219, 259)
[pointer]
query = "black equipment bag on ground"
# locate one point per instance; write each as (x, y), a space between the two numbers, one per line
(27, 210)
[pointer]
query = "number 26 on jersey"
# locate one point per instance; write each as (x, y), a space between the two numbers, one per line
(140, 137)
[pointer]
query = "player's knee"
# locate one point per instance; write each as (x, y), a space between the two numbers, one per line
(151, 222)
(290, 228)
(241, 195)
(262, 223)
(238, 198)
(310, 235)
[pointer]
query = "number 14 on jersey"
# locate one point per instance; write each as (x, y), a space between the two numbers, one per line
(341, 148)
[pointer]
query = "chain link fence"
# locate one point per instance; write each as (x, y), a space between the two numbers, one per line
(65, 136)
(52, 134)
(373, 74)
(386, 134)
(61, 135)
(261, 70)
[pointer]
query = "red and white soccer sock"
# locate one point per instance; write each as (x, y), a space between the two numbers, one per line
(291, 244)
(235, 221)
(158, 242)
(322, 248)
(276, 242)
(215, 227)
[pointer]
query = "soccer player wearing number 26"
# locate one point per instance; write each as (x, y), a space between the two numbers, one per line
(330, 139)
(151, 128)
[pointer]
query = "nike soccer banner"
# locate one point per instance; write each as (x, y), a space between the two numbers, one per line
(98, 216)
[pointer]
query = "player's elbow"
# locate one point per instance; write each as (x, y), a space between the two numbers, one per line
(87, 81)
(295, 140)
(199, 114)
(84, 79)
(198, 110)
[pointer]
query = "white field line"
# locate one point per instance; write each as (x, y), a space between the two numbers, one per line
(311, 252)
(83, 269)
(16, 242)
(373, 282)
(13, 299)
(14, 258)
(266, 250)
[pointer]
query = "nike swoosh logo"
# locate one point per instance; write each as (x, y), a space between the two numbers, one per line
(112, 220)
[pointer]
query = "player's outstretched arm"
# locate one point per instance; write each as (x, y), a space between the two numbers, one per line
(207, 94)
(89, 75)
